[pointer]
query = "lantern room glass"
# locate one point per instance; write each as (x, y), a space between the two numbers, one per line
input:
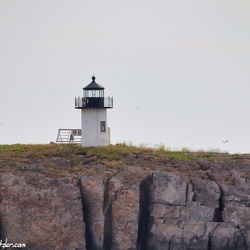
(93, 93)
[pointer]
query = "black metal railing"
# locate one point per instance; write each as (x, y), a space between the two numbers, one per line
(94, 102)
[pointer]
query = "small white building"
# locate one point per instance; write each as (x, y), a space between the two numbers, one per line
(94, 105)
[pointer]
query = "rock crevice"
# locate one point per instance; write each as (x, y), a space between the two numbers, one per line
(132, 209)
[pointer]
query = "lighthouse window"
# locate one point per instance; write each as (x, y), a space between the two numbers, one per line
(96, 93)
(103, 126)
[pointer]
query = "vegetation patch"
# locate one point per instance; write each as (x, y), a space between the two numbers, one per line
(67, 159)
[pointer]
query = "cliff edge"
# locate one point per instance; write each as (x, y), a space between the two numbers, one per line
(119, 197)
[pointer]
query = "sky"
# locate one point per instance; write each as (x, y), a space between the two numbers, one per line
(178, 70)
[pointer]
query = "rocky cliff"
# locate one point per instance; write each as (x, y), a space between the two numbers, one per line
(137, 199)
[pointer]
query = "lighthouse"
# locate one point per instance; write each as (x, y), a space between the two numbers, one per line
(94, 105)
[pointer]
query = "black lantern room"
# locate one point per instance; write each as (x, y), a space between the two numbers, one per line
(93, 97)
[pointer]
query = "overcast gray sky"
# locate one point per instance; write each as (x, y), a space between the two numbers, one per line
(178, 70)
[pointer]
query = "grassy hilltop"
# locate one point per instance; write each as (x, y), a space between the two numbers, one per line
(69, 159)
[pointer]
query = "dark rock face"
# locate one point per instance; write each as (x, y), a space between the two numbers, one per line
(41, 212)
(92, 190)
(113, 206)
(207, 208)
(184, 216)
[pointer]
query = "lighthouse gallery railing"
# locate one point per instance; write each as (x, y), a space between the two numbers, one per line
(82, 102)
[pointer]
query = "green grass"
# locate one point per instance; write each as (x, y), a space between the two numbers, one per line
(96, 158)
(112, 152)
(186, 154)
(38, 150)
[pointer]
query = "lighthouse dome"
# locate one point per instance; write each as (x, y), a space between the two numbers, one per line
(93, 85)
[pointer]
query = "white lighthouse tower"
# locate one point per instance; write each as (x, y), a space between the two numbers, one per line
(94, 105)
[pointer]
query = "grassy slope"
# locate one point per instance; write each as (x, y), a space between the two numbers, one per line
(71, 159)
